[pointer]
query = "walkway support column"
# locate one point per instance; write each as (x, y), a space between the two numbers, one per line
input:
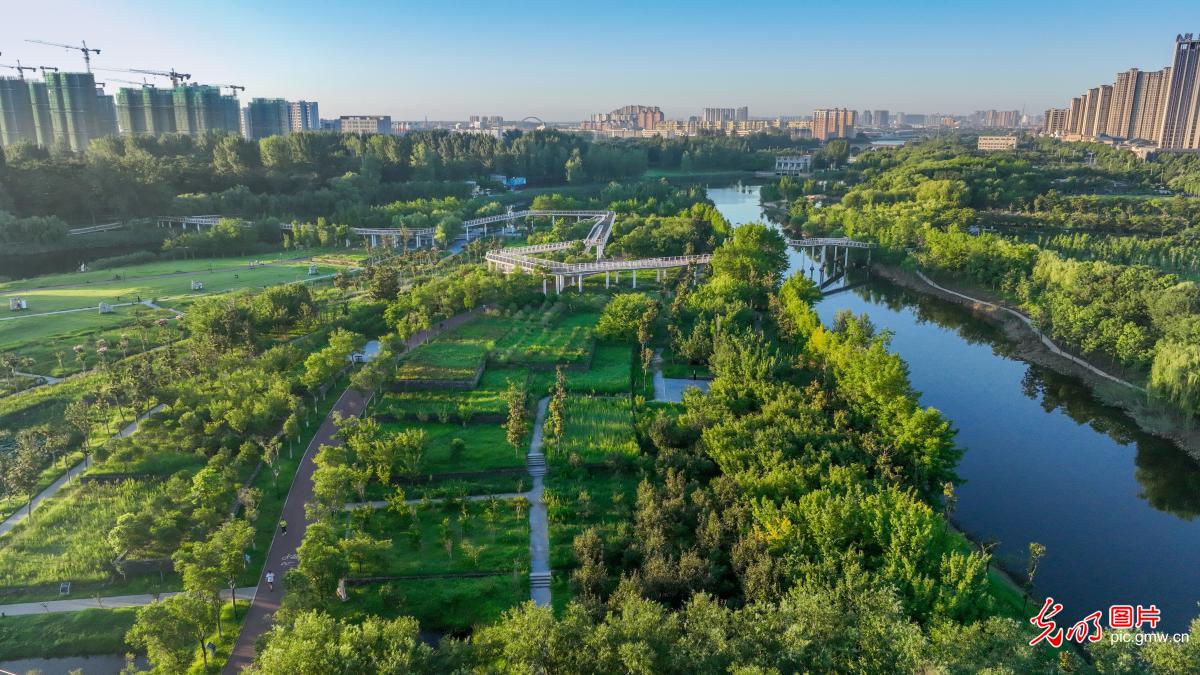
(580, 278)
(545, 291)
(606, 279)
(635, 278)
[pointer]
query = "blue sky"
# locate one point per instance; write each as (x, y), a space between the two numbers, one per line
(448, 60)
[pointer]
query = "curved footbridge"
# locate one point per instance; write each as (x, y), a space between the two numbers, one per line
(565, 274)
(424, 237)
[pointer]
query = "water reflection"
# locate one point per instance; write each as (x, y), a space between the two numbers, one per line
(1045, 460)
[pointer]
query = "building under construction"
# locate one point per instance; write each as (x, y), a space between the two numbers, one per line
(66, 110)
(186, 109)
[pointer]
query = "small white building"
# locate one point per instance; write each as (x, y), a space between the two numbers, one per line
(993, 143)
(793, 165)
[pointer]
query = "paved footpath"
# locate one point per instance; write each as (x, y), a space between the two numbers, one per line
(539, 525)
(282, 554)
(111, 602)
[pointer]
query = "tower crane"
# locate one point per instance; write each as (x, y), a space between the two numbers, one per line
(235, 88)
(45, 68)
(143, 83)
(19, 68)
(87, 51)
(175, 77)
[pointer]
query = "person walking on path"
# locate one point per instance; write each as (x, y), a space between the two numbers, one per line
(283, 527)
(271, 579)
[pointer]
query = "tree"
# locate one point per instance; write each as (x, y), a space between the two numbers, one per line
(169, 629)
(518, 423)
(321, 559)
(556, 409)
(624, 314)
(231, 542)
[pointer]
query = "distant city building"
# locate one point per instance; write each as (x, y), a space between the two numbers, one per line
(365, 124)
(998, 119)
(792, 165)
(1141, 108)
(330, 125)
(993, 143)
(1055, 122)
(626, 117)
(881, 118)
(266, 117)
(1181, 115)
(399, 127)
(485, 121)
(829, 123)
(303, 116)
(718, 115)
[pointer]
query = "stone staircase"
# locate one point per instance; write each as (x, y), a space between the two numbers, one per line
(536, 462)
(539, 580)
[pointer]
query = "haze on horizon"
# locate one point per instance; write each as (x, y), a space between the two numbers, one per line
(561, 61)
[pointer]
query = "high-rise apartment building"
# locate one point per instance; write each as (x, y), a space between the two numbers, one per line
(1055, 123)
(881, 118)
(833, 123)
(1136, 110)
(16, 112)
(718, 115)
(365, 124)
(1075, 115)
(39, 98)
(74, 109)
(303, 116)
(200, 108)
(266, 117)
(146, 110)
(1181, 115)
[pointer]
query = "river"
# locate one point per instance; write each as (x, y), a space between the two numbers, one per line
(1044, 461)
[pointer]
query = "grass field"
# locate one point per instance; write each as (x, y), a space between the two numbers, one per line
(453, 605)
(49, 340)
(442, 360)
(484, 447)
(92, 631)
(610, 499)
(596, 428)
(485, 399)
(447, 538)
(46, 337)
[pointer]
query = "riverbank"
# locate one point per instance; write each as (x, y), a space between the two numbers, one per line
(1029, 345)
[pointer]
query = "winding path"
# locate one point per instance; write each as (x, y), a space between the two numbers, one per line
(281, 555)
(1049, 344)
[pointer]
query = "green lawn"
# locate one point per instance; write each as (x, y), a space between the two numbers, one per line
(92, 631)
(166, 282)
(452, 605)
(610, 499)
(442, 360)
(50, 340)
(596, 428)
(485, 447)
(498, 535)
(485, 399)
(65, 539)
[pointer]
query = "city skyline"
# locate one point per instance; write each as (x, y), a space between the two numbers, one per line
(312, 51)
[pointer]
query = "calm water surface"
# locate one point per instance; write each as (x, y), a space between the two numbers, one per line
(1116, 508)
